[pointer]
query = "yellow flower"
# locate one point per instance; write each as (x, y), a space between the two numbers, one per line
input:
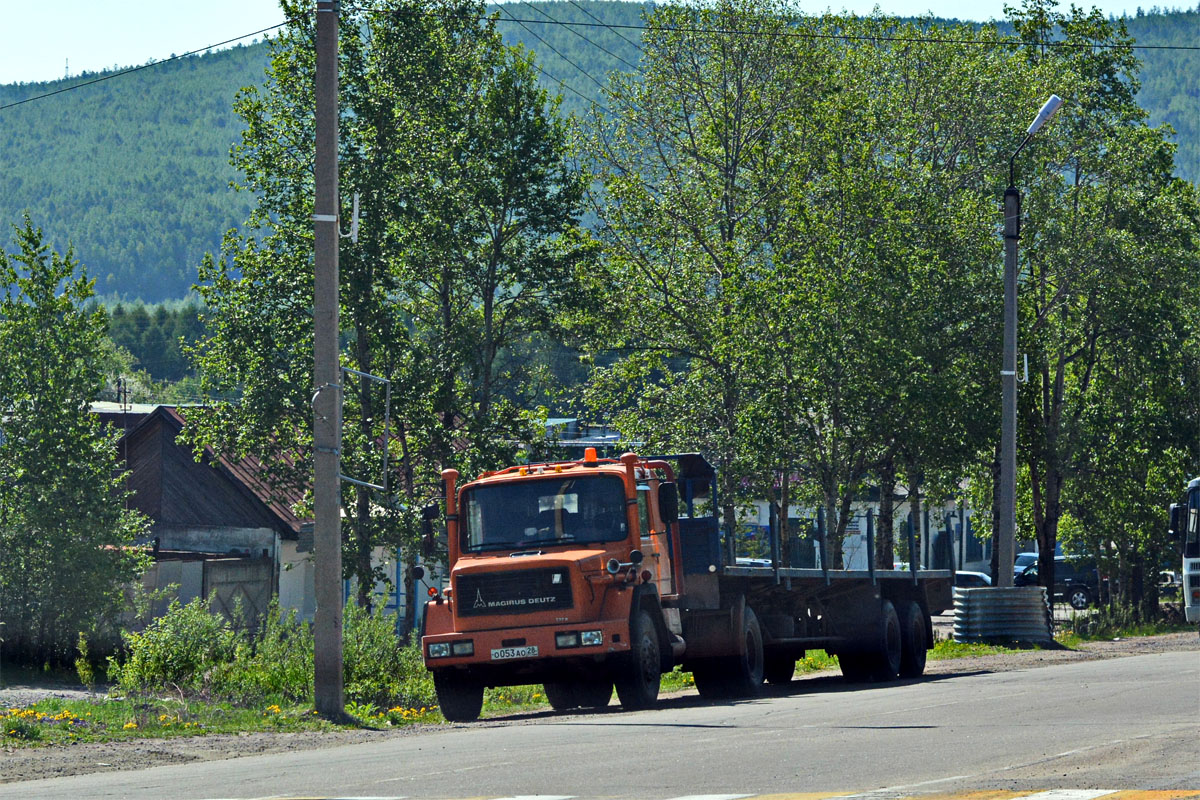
(130, 725)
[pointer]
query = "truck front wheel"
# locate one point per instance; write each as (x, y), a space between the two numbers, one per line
(561, 695)
(565, 695)
(639, 677)
(460, 699)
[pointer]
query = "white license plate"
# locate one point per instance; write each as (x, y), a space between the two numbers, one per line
(501, 653)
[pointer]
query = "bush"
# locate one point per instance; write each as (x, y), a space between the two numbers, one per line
(380, 670)
(179, 650)
(193, 651)
(276, 665)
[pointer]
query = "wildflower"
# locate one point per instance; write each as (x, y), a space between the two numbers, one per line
(130, 725)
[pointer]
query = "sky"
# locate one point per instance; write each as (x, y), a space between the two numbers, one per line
(43, 40)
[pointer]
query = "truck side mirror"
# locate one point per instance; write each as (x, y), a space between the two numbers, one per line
(668, 502)
(431, 512)
(1176, 521)
(417, 572)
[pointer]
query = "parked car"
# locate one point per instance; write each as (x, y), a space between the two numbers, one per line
(972, 580)
(1022, 561)
(1169, 585)
(1076, 581)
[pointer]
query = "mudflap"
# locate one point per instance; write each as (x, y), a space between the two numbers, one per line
(715, 633)
(855, 618)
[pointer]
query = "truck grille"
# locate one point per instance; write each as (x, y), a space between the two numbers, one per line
(523, 592)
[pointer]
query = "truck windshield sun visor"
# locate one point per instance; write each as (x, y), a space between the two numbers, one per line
(543, 513)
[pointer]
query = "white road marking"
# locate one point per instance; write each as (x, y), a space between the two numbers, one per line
(1069, 794)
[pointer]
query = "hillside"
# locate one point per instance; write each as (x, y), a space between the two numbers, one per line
(134, 171)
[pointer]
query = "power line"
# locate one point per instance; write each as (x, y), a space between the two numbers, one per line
(636, 45)
(555, 50)
(112, 75)
(592, 42)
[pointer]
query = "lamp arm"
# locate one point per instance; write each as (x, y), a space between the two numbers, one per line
(1012, 181)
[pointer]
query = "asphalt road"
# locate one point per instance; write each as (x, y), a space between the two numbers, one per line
(1127, 723)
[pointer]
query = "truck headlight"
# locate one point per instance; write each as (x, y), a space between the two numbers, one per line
(439, 649)
(466, 648)
(590, 638)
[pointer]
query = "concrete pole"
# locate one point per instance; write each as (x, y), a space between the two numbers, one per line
(327, 406)
(1008, 393)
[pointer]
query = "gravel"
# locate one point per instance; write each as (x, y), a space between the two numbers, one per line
(32, 763)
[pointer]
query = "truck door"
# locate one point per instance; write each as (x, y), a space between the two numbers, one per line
(654, 545)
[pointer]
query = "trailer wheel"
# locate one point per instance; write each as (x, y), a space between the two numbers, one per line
(562, 695)
(912, 641)
(639, 678)
(779, 669)
(460, 699)
(856, 667)
(887, 665)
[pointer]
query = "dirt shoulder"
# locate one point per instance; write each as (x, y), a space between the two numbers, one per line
(32, 763)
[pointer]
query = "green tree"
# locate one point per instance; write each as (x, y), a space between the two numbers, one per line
(65, 533)
(466, 243)
(1109, 236)
(696, 161)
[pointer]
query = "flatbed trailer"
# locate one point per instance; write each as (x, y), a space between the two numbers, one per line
(587, 574)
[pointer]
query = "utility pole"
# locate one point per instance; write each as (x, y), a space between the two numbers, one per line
(1008, 391)
(327, 400)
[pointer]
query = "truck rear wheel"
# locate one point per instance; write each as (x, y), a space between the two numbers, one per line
(912, 641)
(746, 673)
(460, 699)
(639, 677)
(735, 676)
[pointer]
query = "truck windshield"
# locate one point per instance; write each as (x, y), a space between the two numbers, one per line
(543, 512)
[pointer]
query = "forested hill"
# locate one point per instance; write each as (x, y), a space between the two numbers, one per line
(134, 171)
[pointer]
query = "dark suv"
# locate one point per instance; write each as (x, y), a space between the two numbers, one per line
(1076, 581)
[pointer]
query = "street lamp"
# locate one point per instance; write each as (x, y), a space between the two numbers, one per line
(1008, 366)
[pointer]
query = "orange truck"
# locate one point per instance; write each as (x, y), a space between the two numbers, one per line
(585, 575)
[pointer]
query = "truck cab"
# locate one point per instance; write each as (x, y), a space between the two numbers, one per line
(1185, 527)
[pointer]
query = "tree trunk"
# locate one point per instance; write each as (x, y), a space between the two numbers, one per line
(785, 532)
(885, 531)
(914, 506)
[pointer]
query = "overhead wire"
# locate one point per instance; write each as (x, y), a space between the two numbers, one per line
(141, 67)
(592, 42)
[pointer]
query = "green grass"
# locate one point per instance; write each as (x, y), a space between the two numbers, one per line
(57, 721)
(944, 649)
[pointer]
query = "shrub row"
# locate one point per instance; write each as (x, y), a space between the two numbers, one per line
(193, 652)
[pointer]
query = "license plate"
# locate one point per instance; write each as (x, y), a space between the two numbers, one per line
(501, 653)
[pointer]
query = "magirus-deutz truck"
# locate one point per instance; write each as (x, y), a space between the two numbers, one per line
(599, 573)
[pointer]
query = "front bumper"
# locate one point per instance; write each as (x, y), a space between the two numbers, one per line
(493, 649)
